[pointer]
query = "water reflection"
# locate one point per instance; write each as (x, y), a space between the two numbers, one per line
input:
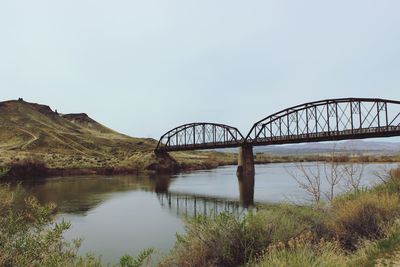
(78, 195)
(246, 189)
(160, 183)
(191, 205)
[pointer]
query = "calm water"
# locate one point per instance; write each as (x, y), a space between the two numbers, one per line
(125, 214)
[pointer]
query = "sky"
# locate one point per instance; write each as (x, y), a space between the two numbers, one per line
(144, 67)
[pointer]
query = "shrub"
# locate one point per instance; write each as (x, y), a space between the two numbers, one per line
(227, 240)
(129, 261)
(378, 253)
(362, 217)
(209, 242)
(302, 252)
(286, 221)
(29, 236)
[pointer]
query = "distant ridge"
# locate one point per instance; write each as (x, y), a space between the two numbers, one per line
(351, 146)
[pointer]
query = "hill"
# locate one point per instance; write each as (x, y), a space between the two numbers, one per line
(34, 136)
(62, 140)
(36, 128)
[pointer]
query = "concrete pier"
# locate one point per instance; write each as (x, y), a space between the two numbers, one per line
(246, 161)
(245, 173)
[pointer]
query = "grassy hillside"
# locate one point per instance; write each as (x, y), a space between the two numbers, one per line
(32, 133)
(62, 140)
(33, 127)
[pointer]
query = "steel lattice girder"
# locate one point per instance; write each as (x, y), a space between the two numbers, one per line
(325, 120)
(200, 135)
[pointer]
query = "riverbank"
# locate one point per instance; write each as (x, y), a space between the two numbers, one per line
(358, 228)
(36, 166)
(33, 165)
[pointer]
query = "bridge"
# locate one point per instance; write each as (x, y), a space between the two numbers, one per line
(324, 120)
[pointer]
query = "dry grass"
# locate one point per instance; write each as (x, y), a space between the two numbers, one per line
(338, 157)
(227, 240)
(75, 140)
(363, 217)
(302, 251)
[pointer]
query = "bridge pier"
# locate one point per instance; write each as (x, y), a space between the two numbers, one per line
(245, 173)
(245, 161)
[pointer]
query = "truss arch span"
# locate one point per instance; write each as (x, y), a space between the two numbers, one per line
(200, 135)
(330, 119)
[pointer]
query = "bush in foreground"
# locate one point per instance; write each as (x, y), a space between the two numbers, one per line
(228, 240)
(363, 217)
(29, 236)
(304, 252)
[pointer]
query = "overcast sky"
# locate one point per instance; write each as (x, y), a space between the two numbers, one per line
(143, 67)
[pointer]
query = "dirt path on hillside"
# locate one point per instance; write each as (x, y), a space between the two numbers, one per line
(34, 138)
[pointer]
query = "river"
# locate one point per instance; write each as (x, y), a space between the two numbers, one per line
(125, 214)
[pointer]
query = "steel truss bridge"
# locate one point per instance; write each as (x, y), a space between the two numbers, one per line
(325, 120)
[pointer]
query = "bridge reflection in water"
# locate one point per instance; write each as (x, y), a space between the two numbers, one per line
(192, 205)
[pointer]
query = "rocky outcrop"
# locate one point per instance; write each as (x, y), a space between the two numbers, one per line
(164, 163)
(78, 117)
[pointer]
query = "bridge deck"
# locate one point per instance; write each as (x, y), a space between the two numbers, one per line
(295, 139)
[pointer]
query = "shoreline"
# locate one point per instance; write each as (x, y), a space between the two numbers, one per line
(180, 167)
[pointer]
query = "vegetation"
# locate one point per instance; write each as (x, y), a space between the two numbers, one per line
(355, 229)
(342, 157)
(27, 168)
(3, 170)
(29, 236)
